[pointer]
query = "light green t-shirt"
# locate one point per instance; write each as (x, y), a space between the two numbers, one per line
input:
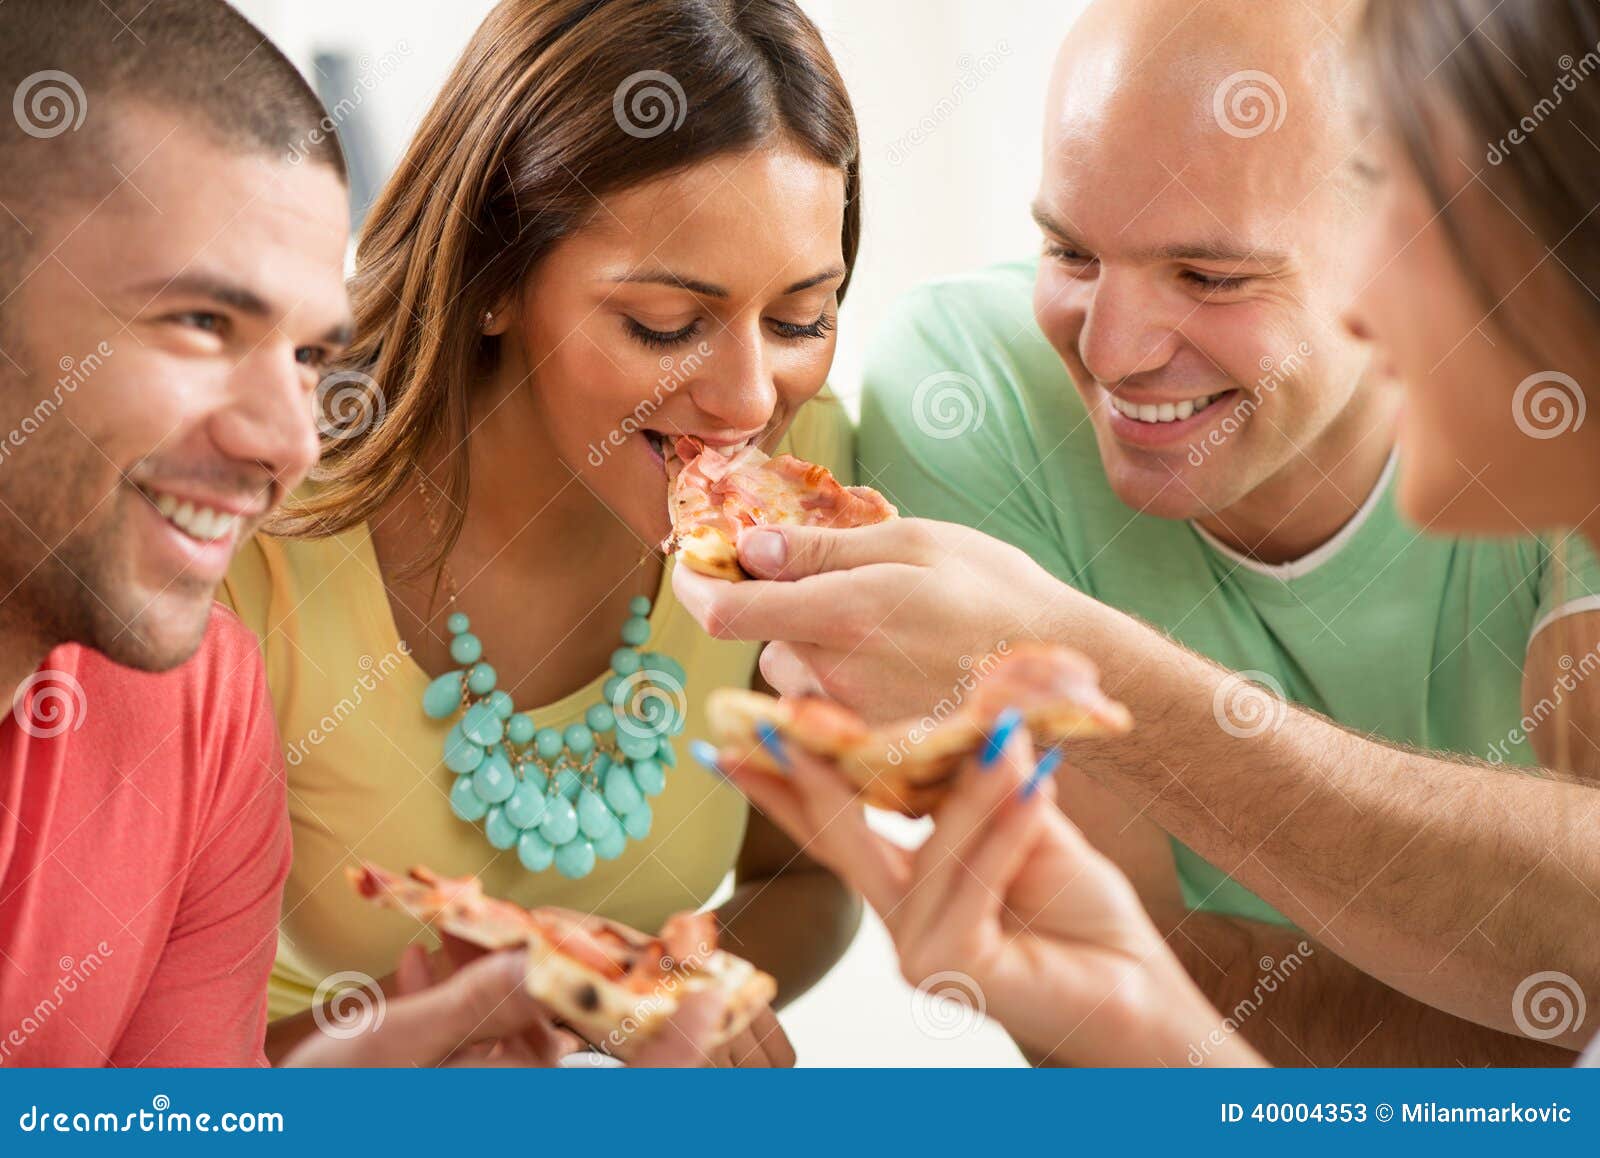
(968, 416)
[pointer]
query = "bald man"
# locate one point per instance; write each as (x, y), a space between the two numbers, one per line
(1154, 442)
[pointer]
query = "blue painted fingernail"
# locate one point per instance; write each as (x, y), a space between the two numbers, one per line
(1005, 724)
(773, 743)
(1047, 765)
(706, 755)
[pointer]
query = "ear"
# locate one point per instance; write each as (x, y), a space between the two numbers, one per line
(496, 320)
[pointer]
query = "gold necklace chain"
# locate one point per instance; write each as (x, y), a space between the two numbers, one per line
(431, 514)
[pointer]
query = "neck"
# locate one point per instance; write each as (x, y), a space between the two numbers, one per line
(1306, 503)
(22, 649)
(534, 499)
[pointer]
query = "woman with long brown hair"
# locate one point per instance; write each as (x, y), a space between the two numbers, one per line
(1478, 287)
(621, 221)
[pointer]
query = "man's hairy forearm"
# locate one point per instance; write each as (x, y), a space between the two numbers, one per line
(1451, 881)
(1300, 1005)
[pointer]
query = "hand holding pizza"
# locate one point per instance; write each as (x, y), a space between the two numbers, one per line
(482, 1014)
(1007, 891)
(877, 617)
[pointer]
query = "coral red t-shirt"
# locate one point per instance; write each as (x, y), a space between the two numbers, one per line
(144, 840)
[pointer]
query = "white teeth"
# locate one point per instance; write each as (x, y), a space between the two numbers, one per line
(203, 523)
(1165, 412)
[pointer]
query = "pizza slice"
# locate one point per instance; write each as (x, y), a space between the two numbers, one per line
(712, 496)
(614, 986)
(908, 767)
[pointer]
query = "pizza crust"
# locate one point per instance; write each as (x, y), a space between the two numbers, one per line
(908, 767)
(712, 497)
(609, 1014)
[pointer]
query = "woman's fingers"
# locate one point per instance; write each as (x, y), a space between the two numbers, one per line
(683, 1041)
(981, 790)
(992, 860)
(820, 811)
(413, 974)
(761, 1045)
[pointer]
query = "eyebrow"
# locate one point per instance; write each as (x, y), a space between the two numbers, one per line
(1216, 252)
(707, 289)
(234, 296)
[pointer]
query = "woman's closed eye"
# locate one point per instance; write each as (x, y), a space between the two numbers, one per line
(661, 339)
(791, 331)
(807, 332)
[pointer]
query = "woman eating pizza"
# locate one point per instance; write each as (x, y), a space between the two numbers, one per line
(621, 224)
(1478, 289)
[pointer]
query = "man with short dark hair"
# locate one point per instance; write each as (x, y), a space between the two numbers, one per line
(172, 234)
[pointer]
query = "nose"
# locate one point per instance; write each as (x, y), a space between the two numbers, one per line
(1123, 333)
(735, 384)
(268, 417)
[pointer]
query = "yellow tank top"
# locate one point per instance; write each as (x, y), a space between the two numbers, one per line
(365, 777)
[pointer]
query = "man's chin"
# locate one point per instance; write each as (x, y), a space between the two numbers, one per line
(162, 635)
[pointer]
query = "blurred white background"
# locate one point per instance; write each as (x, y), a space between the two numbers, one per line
(950, 96)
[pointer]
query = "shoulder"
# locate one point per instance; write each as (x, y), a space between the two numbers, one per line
(208, 720)
(228, 655)
(272, 578)
(962, 352)
(969, 315)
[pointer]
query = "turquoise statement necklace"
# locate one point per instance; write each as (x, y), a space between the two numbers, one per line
(560, 796)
